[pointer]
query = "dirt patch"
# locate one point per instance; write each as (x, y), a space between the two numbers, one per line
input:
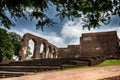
(91, 73)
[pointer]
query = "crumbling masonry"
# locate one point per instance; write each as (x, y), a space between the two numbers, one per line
(49, 51)
(94, 48)
(101, 44)
(104, 44)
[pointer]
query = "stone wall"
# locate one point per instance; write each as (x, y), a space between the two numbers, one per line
(44, 62)
(72, 51)
(104, 44)
(100, 44)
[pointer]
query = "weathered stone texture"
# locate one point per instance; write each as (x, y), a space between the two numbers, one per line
(99, 44)
(94, 48)
(72, 51)
(92, 45)
(49, 51)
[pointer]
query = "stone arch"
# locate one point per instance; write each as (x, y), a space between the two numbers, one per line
(24, 45)
(56, 53)
(30, 48)
(37, 43)
(44, 48)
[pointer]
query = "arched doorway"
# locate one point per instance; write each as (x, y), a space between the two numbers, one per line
(30, 49)
(42, 50)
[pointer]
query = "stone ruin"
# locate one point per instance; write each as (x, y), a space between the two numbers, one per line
(94, 48)
(105, 44)
(49, 50)
(100, 44)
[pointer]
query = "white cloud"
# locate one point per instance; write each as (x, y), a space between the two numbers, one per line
(51, 37)
(73, 29)
(71, 32)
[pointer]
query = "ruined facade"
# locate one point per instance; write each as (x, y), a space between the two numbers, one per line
(99, 44)
(72, 51)
(49, 50)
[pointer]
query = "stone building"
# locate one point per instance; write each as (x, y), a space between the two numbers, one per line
(99, 44)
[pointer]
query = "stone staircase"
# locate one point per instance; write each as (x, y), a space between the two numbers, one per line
(7, 74)
(20, 68)
(28, 68)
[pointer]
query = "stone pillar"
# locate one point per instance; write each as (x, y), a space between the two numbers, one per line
(22, 51)
(56, 53)
(53, 55)
(49, 53)
(45, 51)
(53, 52)
(36, 50)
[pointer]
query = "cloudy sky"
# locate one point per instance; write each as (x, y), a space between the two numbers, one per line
(63, 33)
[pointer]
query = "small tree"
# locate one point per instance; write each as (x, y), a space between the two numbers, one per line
(6, 47)
(10, 44)
(15, 39)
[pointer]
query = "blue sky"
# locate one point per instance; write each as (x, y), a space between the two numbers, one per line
(63, 33)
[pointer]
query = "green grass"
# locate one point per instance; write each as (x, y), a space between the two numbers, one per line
(109, 62)
(104, 63)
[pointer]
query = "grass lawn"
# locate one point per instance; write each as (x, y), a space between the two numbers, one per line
(109, 62)
(104, 63)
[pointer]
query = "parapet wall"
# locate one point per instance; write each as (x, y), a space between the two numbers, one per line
(72, 51)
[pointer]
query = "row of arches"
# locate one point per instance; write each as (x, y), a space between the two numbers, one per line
(42, 48)
(45, 51)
